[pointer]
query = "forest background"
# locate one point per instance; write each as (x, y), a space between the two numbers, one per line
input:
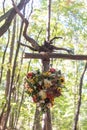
(68, 20)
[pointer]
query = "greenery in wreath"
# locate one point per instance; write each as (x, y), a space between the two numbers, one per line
(43, 87)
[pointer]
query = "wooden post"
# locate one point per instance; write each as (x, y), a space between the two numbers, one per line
(56, 55)
(47, 115)
(45, 62)
(37, 125)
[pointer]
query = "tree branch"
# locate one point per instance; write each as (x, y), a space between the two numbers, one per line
(17, 10)
(4, 6)
(39, 33)
(54, 39)
(31, 9)
(47, 47)
(27, 46)
(29, 39)
(4, 16)
(10, 15)
(48, 20)
(60, 48)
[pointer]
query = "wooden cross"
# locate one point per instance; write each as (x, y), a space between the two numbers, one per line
(45, 53)
(45, 57)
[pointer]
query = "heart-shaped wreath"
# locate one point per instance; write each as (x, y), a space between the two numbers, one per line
(43, 87)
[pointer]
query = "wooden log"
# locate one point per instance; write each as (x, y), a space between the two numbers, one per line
(55, 55)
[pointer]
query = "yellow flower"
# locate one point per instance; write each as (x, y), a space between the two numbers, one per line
(47, 83)
(59, 89)
(46, 73)
(62, 80)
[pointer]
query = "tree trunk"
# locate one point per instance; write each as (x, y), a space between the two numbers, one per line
(10, 58)
(3, 58)
(37, 125)
(79, 99)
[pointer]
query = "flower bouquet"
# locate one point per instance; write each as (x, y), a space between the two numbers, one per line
(43, 87)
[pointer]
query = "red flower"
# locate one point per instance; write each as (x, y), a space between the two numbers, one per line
(50, 96)
(34, 98)
(30, 75)
(52, 70)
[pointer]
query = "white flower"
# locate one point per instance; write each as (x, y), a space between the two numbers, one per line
(39, 108)
(42, 93)
(42, 101)
(47, 83)
(40, 82)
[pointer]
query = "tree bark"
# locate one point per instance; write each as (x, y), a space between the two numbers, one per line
(37, 125)
(11, 119)
(2, 117)
(10, 59)
(3, 58)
